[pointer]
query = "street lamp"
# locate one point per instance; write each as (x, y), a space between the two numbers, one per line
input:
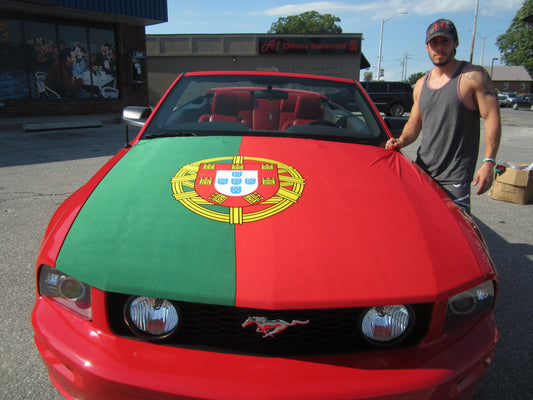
(381, 40)
(482, 44)
(492, 66)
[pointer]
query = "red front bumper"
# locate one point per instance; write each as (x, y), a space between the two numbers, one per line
(85, 363)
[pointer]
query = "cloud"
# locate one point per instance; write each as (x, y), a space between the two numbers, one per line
(383, 9)
(322, 7)
(485, 7)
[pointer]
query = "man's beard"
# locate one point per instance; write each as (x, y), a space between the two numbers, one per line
(443, 61)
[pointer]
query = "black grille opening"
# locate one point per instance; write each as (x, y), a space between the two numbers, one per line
(219, 328)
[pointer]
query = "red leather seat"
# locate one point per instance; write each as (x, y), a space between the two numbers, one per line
(287, 110)
(224, 108)
(244, 106)
(308, 109)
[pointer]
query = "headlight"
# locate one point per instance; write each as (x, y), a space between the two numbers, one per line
(151, 318)
(469, 305)
(386, 324)
(65, 290)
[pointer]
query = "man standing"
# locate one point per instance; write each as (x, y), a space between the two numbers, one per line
(448, 103)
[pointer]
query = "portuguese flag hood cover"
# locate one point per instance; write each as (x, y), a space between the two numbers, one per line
(272, 223)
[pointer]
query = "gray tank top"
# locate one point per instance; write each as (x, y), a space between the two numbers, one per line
(450, 133)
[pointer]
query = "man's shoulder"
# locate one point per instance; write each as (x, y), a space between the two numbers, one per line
(419, 83)
(422, 79)
(477, 79)
(473, 72)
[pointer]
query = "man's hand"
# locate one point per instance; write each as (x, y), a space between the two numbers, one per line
(394, 144)
(484, 177)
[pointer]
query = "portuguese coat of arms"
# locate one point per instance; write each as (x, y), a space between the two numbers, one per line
(245, 189)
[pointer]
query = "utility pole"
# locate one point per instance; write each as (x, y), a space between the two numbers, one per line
(474, 33)
(404, 67)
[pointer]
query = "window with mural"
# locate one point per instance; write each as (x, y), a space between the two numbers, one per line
(13, 75)
(56, 61)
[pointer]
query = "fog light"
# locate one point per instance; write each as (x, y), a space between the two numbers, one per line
(151, 318)
(385, 324)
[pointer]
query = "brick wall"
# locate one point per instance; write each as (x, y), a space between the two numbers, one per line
(518, 87)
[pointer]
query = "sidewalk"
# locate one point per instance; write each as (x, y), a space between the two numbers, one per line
(44, 123)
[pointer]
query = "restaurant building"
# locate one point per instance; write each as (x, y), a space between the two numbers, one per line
(170, 55)
(60, 57)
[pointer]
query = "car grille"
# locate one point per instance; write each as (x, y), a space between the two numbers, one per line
(219, 328)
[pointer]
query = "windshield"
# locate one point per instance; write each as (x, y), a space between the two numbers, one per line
(268, 104)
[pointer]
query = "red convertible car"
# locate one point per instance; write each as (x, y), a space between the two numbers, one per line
(256, 240)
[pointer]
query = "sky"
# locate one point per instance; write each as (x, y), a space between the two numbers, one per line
(403, 34)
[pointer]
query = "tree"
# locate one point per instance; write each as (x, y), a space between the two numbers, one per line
(415, 77)
(307, 22)
(516, 44)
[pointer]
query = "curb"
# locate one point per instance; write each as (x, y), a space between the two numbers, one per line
(46, 123)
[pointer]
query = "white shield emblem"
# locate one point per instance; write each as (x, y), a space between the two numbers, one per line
(236, 183)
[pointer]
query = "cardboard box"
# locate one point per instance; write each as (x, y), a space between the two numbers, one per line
(514, 185)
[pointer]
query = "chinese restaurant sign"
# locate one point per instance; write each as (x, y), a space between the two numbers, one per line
(277, 45)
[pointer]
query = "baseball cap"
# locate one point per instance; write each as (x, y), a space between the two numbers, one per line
(441, 27)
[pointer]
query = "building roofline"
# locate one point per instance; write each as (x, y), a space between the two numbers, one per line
(116, 13)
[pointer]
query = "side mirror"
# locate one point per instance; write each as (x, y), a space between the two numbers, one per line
(134, 116)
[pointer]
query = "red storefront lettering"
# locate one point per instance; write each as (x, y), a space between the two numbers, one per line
(272, 45)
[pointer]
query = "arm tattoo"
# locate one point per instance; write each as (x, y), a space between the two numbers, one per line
(486, 82)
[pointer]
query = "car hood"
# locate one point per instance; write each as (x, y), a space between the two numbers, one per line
(305, 224)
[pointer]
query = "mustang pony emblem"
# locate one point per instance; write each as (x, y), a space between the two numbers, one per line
(269, 327)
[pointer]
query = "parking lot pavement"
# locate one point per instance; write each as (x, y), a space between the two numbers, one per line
(508, 231)
(38, 170)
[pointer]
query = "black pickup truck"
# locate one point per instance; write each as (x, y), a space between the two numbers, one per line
(391, 98)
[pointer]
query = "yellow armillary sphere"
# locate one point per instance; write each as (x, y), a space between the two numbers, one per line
(237, 189)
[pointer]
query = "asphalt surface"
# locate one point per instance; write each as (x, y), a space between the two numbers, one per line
(38, 170)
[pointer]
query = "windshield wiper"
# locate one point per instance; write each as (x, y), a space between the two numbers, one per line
(170, 134)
